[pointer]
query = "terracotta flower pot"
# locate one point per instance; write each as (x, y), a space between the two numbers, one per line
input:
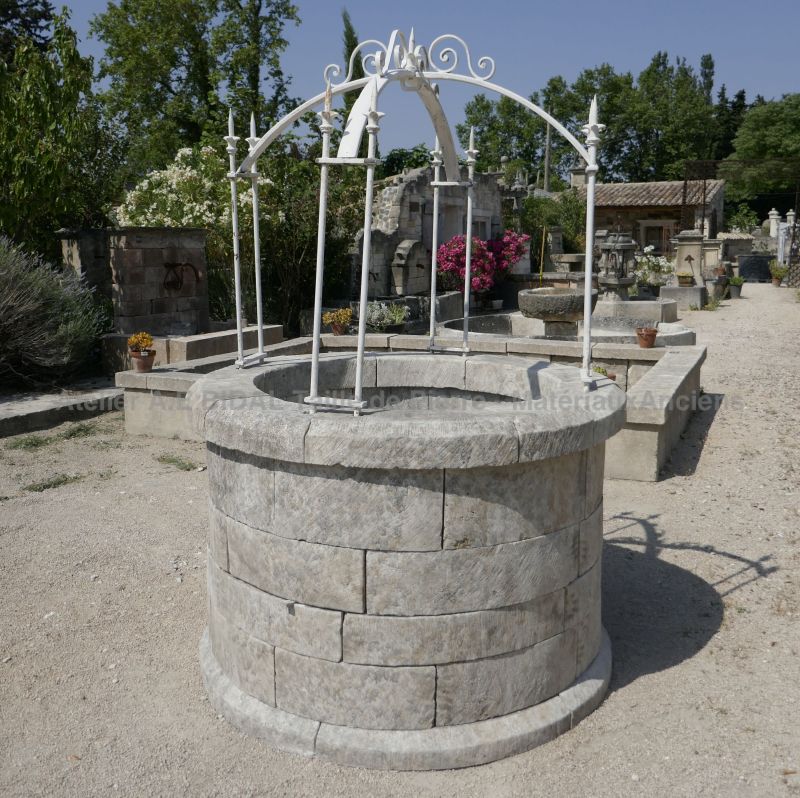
(646, 336)
(776, 281)
(338, 329)
(143, 361)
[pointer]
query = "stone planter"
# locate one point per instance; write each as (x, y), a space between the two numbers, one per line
(559, 308)
(735, 291)
(390, 591)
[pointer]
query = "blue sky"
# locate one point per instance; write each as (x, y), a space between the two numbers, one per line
(755, 47)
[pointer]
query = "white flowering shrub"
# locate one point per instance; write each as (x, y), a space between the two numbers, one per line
(194, 191)
(652, 269)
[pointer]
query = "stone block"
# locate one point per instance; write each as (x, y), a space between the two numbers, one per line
(487, 506)
(251, 716)
(504, 375)
(249, 663)
(295, 627)
(241, 486)
(582, 610)
(364, 696)
(458, 441)
(421, 371)
(440, 639)
(472, 691)
(217, 543)
(463, 580)
(686, 297)
(591, 545)
(548, 433)
(164, 415)
(595, 467)
(386, 510)
(323, 576)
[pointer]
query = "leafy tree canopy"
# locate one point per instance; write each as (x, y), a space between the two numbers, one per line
(27, 18)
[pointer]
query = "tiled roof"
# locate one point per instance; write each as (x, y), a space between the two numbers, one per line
(664, 193)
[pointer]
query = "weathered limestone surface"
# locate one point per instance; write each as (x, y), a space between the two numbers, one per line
(471, 691)
(582, 614)
(355, 695)
(323, 576)
(486, 506)
(415, 573)
(591, 546)
(248, 662)
(295, 627)
(462, 580)
(437, 639)
(359, 507)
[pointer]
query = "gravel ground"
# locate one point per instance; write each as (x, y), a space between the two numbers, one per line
(104, 603)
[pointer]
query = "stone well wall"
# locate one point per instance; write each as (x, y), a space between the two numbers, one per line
(416, 588)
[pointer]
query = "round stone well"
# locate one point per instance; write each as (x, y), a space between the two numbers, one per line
(418, 587)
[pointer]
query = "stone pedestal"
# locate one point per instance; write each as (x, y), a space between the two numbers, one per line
(689, 253)
(389, 591)
(615, 289)
(694, 296)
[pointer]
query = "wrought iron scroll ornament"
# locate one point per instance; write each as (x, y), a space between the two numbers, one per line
(416, 60)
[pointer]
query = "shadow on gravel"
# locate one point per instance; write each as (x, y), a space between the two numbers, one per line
(686, 454)
(656, 613)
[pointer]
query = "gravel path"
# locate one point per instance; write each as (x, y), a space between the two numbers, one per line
(103, 588)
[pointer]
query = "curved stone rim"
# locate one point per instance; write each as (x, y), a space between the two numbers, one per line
(438, 748)
(552, 415)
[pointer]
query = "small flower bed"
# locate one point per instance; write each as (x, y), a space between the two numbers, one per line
(342, 316)
(491, 260)
(380, 315)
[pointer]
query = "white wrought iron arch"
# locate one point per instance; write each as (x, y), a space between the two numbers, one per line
(409, 64)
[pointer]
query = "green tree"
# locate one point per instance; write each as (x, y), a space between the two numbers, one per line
(30, 19)
(400, 158)
(769, 136)
(167, 64)
(57, 156)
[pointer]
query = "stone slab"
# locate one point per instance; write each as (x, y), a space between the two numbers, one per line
(363, 696)
(242, 487)
(248, 662)
(430, 371)
(487, 506)
(40, 411)
(686, 297)
(467, 692)
(463, 580)
(296, 627)
(251, 716)
(582, 611)
(506, 375)
(385, 510)
(440, 639)
(330, 577)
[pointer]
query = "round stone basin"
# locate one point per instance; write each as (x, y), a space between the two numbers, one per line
(553, 304)
(415, 588)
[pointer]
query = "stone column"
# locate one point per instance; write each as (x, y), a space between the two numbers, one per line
(774, 221)
(790, 217)
(689, 253)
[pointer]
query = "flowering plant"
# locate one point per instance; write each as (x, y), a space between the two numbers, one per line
(491, 260)
(380, 315)
(342, 316)
(140, 342)
(652, 269)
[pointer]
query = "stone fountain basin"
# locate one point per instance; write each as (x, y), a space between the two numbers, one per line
(553, 304)
(417, 587)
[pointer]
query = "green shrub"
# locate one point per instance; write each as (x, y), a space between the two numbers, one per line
(49, 322)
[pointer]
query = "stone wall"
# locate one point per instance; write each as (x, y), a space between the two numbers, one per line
(159, 280)
(404, 574)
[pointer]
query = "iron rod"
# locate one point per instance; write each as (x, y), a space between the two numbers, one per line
(372, 130)
(471, 153)
(230, 141)
(437, 165)
(252, 141)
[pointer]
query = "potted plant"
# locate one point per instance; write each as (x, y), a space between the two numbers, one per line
(777, 272)
(652, 271)
(685, 279)
(604, 372)
(338, 319)
(387, 318)
(140, 346)
(646, 336)
(735, 287)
